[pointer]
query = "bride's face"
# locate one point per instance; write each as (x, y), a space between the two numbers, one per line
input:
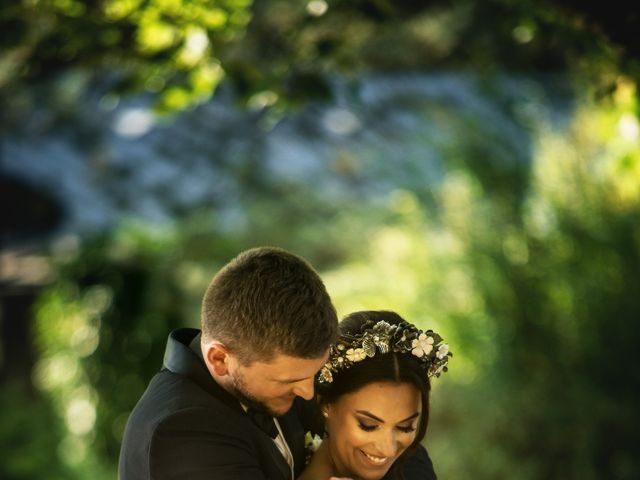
(371, 427)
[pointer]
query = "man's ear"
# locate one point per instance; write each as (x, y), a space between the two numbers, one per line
(216, 357)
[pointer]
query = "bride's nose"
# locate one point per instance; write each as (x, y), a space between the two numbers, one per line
(387, 444)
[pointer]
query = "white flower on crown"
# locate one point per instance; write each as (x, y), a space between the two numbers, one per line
(443, 350)
(356, 354)
(422, 345)
(439, 370)
(325, 375)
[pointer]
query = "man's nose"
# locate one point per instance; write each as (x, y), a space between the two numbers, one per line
(304, 389)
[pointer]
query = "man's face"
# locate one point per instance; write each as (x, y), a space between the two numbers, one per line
(272, 386)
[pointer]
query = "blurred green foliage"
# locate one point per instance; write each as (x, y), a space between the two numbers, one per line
(530, 272)
(159, 46)
(279, 53)
(529, 269)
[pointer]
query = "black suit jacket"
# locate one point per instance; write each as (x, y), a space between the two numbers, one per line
(187, 427)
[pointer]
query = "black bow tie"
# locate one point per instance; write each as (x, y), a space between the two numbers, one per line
(264, 422)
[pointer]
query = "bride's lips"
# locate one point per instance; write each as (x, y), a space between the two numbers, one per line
(374, 460)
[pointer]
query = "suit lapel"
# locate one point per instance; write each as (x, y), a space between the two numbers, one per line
(294, 435)
(277, 457)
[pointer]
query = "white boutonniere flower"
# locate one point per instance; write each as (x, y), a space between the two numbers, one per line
(312, 442)
(311, 445)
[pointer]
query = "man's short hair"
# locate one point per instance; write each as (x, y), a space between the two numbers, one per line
(267, 301)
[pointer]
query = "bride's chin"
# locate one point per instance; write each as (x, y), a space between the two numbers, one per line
(369, 476)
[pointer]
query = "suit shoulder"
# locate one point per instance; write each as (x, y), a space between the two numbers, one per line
(171, 396)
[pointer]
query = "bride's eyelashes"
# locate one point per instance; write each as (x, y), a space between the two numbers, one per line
(407, 429)
(367, 428)
(371, 428)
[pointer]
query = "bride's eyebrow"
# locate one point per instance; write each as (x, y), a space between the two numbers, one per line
(290, 380)
(411, 417)
(373, 417)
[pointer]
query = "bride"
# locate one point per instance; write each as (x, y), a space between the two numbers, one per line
(374, 396)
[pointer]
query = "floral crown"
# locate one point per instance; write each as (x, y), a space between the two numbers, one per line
(382, 337)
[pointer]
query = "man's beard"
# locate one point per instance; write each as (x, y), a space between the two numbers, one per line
(239, 390)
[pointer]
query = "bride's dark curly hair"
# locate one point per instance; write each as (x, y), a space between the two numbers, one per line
(389, 367)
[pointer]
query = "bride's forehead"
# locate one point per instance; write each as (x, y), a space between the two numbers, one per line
(383, 398)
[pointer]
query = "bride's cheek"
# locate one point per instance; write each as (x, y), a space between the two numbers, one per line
(410, 438)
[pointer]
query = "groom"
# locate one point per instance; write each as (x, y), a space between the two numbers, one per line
(221, 407)
(232, 401)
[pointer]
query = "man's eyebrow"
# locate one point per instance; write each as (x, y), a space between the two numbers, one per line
(372, 416)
